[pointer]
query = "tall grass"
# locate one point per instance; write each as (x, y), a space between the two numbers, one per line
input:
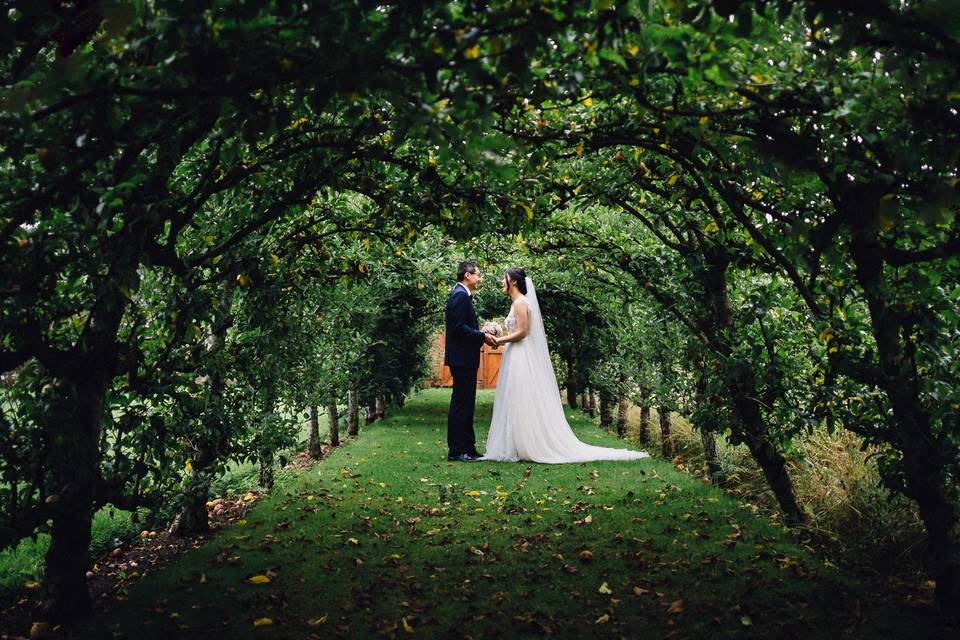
(836, 480)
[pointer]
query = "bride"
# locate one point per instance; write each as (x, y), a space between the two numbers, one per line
(528, 421)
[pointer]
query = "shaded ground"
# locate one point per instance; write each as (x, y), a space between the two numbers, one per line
(386, 538)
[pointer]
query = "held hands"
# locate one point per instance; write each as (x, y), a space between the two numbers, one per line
(490, 339)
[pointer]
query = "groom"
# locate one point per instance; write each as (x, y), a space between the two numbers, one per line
(462, 354)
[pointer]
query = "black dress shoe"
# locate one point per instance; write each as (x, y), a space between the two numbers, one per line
(462, 457)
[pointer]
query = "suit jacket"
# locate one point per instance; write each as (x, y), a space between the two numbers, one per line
(464, 338)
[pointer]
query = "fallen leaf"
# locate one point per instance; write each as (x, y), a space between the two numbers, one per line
(746, 621)
(586, 555)
(604, 589)
(262, 622)
(316, 622)
(406, 625)
(676, 606)
(640, 591)
(258, 580)
(604, 618)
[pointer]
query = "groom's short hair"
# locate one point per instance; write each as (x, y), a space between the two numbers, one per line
(465, 267)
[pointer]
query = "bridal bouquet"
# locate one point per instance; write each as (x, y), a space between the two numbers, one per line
(492, 327)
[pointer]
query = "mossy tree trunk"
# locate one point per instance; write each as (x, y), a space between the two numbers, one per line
(333, 422)
(314, 446)
(666, 438)
(353, 413)
(644, 415)
(606, 409)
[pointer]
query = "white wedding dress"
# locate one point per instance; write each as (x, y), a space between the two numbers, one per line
(528, 421)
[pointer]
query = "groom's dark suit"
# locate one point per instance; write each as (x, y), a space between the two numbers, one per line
(462, 354)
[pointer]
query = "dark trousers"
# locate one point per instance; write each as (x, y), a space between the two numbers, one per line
(463, 401)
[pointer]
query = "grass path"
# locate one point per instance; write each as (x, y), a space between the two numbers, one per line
(386, 538)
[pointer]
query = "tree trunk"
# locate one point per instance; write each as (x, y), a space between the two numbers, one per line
(76, 406)
(572, 382)
(755, 435)
(606, 410)
(265, 476)
(353, 414)
(623, 412)
(74, 470)
(924, 447)
(666, 439)
(739, 379)
(594, 404)
(709, 440)
(314, 446)
(927, 484)
(644, 415)
(192, 517)
(381, 407)
(370, 412)
(707, 429)
(333, 420)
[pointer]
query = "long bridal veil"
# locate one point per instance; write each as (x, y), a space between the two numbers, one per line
(528, 421)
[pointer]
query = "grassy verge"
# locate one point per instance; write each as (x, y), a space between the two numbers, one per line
(386, 537)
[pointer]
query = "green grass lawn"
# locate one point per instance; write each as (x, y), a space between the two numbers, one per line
(385, 537)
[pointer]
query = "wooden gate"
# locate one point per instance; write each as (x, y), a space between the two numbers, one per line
(487, 374)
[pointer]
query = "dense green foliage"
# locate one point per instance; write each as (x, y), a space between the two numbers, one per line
(217, 215)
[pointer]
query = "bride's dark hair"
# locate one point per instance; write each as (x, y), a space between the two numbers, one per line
(516, 274)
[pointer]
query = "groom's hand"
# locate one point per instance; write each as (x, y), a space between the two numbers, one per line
(489, 339)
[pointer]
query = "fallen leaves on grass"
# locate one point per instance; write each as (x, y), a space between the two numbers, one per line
(676, 606)
(260, 579)
(262, 622)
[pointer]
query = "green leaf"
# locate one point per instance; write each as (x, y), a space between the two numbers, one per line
(612, 56)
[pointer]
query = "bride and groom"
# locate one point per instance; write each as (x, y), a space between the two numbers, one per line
(528, 421)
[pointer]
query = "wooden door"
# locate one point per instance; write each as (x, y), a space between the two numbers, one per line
(487, 374)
